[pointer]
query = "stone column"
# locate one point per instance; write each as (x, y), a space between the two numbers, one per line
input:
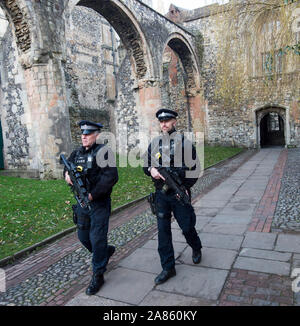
(39, 32)
(197, 105)
(49, 128)
(148, 102)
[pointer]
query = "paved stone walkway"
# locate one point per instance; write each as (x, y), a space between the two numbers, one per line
(54, 274)
(245, 261)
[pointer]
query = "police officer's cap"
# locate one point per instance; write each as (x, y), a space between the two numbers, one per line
(166, 114)
(88, 127)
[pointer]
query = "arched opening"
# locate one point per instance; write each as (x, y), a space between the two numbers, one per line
(272, 126)
(108, 49)
(181, 91)
(173, 92)
(124, 24)
(272, 130)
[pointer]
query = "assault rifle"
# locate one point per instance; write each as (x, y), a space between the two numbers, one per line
(172, 178)
(173, 181)
(78, 188)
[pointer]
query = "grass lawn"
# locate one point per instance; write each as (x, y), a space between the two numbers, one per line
(32, 210)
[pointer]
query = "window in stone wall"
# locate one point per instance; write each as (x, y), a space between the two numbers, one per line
(273, 122)
(297, 34)
(296, 28)
(272, 62)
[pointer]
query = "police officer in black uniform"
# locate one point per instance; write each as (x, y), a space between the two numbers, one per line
(93, 224)
(166, 201)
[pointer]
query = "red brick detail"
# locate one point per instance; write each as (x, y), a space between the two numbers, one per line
(247, 288)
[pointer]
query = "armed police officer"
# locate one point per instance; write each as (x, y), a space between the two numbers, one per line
(99, 180)
(168, 152)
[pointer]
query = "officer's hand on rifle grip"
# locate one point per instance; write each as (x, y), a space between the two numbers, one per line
(155, 174)
(68, 179)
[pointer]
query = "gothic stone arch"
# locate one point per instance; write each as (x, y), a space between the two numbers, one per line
(42, 51)
(146, 86)
(17, 13)
(193, 90)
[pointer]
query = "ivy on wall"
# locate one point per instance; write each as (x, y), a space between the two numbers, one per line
(254, 44)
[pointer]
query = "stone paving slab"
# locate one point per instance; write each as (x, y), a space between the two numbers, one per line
(226, 189)
(263, 265)
(245, 199)
(223, 241)
(210, 212)
(127, 285)
(255, 184)
(218, 194)
(210, 203)
(176, 235)
(144, 260)
(84, 300)
(238, 210)
(260, 240)
(211, 257)
(178, 246)
(266, 254)
(160, 298)
(288, 242)
(232, 219)
(200, 223)
(225, 228)
(199, 282)
(242, 174)
(254, 194)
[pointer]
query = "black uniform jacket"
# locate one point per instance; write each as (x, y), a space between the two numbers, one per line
(99, 180)
(156, 146)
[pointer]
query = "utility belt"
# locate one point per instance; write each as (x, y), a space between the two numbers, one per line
(81, 217)
(151, 201)
(152, 196)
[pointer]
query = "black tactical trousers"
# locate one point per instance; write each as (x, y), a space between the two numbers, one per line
(92, 232)
(186, 219)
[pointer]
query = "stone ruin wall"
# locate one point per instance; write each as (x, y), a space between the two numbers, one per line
(236, 125)
(100, 86)
(98, 83)
(173, 89)
(91, 86)
(13, 106)
(88, 43)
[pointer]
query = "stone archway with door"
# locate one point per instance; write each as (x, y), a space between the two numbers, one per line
(272, 126)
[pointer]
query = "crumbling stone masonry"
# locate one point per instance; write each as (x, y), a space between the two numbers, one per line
(245, 77)
(47, 66)
(118, 61)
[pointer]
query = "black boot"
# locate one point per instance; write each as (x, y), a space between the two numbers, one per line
(164, 276)
(197, 255)
(95, 284)
(110, 251)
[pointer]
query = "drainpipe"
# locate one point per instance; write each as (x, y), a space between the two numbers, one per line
(114, 59)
